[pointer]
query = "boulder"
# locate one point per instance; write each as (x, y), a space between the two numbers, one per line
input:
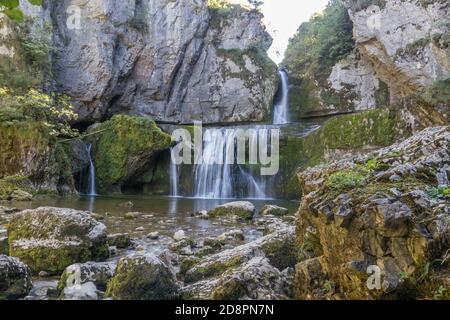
(256, 279)
(15, 278)
(120, 240)
(142, 276)
(243, 209)
(277, 247)
(98, 273)
(20, 195)
(273, 210)
(124, 149)
(50, 239)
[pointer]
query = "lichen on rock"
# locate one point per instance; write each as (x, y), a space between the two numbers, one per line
(50, 239)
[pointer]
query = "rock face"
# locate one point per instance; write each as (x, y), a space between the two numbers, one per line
(261, 269)
(407, 42)
(124, 148)
(176, 61)
(400, 48)
(50, 239)
(15, 278)
(142, 276)
(384, 214)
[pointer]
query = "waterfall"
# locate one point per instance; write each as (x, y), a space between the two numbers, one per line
(281, 110)
(91, 181)
(173, 175)
(215, 177)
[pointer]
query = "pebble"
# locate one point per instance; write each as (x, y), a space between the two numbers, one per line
(179, 235)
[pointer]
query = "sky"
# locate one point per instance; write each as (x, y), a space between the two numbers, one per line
(283, 17)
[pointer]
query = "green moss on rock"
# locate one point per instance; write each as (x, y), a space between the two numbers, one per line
(125, 148)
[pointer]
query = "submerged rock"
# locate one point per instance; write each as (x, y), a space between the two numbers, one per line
(50, 239)
(142, 276)
(243, 209)
(15, 278)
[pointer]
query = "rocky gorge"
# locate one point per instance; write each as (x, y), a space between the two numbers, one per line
(359, 209)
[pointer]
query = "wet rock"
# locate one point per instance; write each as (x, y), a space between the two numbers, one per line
(243, 209)
(15, 278)
(142, 277)
(91, 272)
(50, 239)
(179, 235)
(20, 195)
(3, 241)
(120, 240)
(153, 235)
(255, 279)
(85, 291)
(273, 210)
(131, 215)
(278, 248)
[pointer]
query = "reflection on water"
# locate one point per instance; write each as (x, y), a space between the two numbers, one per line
(157, 213)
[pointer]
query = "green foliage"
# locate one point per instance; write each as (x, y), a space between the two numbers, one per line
(31, 65)
(321, 42)
(357, 5)
(54, 111)
(441, 192)
(346, 179)
(438, 93)
(11, 8)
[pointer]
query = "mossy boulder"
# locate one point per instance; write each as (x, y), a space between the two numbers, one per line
(50, 239)
(124, 149)
(142, 276)
(243, 209)
(273, 210)
(15, 278)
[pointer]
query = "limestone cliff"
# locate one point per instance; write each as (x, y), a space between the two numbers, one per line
(175, 61)
(398, 48)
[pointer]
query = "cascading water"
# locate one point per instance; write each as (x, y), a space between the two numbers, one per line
(281, 110)
(173, 176)
(91, 191)
(215, 177)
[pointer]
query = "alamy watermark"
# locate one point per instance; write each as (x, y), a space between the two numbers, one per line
(248, 146)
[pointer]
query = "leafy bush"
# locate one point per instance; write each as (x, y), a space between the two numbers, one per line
(441, 192)
(346, 179)
(53, 110)
(11, 8)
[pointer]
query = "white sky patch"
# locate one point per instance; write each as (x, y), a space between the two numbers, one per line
(283, 17)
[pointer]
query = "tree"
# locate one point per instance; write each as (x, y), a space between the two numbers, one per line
(11, 8)
(256, 4)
